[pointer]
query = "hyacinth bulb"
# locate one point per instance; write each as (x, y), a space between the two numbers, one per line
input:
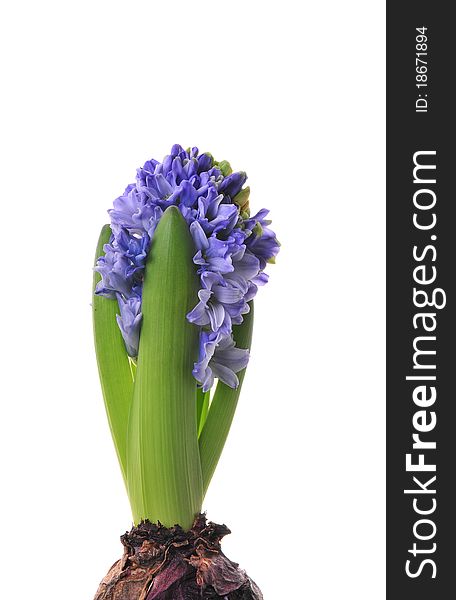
(162, 563)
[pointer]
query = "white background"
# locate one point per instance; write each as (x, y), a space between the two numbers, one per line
(293, 93)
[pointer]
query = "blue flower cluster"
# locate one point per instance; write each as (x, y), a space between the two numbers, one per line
(233, 249)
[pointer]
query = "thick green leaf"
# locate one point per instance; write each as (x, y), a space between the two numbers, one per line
(113, 363)
(163, 465)
(223, 406)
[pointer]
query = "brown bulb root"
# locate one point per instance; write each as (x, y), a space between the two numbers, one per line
(161, 563)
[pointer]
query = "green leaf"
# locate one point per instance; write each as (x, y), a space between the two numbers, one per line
(163, 465)
(223, 406)
(113, 363)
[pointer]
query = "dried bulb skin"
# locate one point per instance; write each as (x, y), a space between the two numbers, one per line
(172, 564)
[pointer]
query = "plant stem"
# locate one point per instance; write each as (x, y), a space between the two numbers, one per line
(202, 407)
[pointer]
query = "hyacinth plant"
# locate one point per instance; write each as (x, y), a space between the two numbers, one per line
(175, 276)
